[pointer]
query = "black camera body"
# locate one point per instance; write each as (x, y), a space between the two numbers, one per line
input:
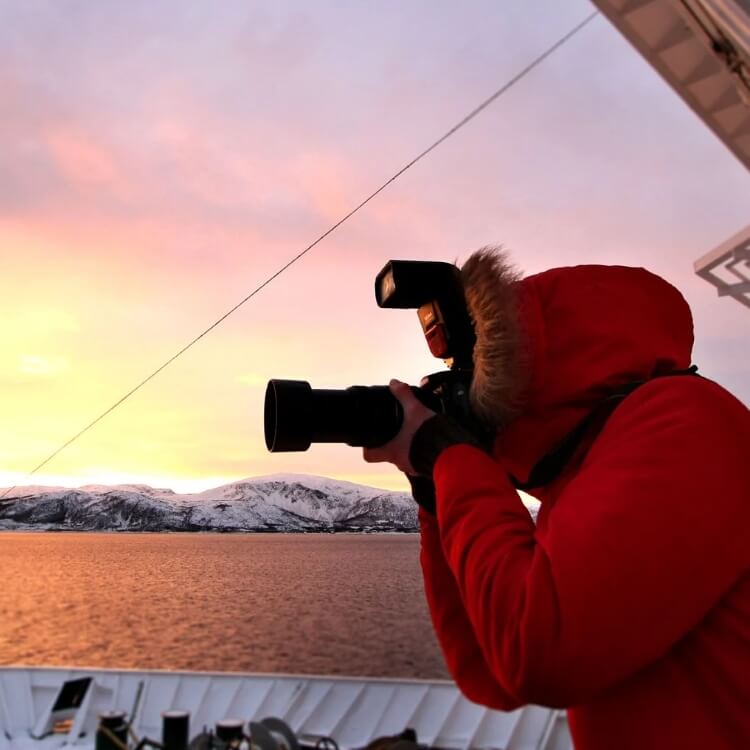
(297, 415)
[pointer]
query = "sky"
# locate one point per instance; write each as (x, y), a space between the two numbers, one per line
(158, 161)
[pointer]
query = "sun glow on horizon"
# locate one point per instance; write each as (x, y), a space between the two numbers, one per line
(180, 485)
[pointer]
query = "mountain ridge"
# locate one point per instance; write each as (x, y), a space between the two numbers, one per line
(273, 503)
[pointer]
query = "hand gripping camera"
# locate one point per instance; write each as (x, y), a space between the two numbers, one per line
(297, 415)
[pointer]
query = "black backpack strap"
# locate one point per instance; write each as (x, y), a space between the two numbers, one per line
(550, 466)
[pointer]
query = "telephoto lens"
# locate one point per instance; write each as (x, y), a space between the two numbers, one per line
(297, 415)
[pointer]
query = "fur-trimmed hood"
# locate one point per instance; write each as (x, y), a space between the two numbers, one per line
(491, 291)
(550, 346)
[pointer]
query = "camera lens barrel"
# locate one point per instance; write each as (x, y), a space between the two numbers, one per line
(297, 415)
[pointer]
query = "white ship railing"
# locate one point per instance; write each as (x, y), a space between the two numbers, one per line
(352, 711)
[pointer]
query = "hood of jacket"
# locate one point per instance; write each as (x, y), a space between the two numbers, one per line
(552, 345)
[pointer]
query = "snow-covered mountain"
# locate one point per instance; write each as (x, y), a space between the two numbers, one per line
(283, 502)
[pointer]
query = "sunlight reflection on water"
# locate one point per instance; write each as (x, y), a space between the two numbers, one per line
(313, 603)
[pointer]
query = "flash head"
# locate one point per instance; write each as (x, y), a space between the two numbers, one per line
(435, 290)
(409, 284)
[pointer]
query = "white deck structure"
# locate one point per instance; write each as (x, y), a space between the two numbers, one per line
(702, 49)
(353, 711)
(727, 267)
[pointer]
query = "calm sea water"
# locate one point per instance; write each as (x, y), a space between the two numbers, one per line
(316, 604)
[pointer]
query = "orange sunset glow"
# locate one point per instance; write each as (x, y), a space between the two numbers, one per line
(159, 162)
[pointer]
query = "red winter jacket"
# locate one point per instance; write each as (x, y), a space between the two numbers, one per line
(629, 601)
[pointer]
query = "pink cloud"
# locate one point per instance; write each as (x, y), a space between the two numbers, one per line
(81, 160)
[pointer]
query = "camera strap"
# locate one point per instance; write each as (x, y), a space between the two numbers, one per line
(549, 467)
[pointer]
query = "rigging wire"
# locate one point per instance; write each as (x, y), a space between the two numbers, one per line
(477, 110)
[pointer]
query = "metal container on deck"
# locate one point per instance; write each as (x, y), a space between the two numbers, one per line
(175, 730)
(112, 732)
(230, 730)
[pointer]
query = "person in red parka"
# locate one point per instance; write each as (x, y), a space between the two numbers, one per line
(628, 601)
